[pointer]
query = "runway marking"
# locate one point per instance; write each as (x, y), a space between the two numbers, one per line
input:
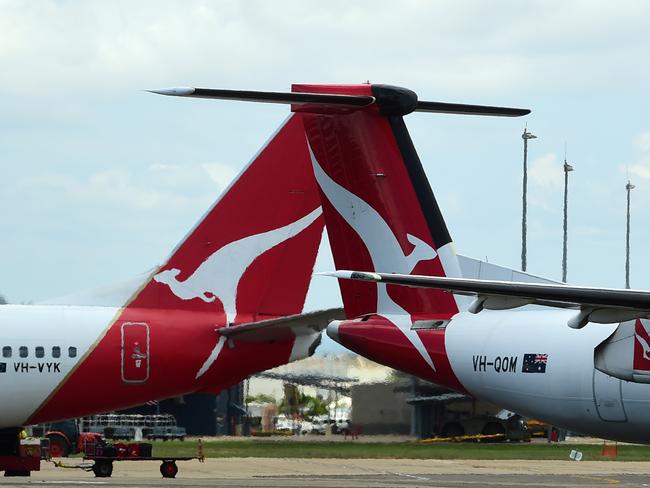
(76, 482)
(421, 478)
(608, 480)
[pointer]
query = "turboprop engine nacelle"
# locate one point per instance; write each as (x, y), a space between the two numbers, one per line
(626, 353)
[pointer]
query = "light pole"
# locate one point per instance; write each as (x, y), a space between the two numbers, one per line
(525, 136)
(629, 187)
(567, 169)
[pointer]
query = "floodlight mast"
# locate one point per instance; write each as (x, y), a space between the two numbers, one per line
(629, 187)
(525, 136)
(567, 169)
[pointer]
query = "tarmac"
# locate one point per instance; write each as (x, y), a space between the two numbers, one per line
(325, 473)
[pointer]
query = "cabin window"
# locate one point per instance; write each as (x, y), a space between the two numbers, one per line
(23, 351)
(72, 352)
(6, 352)
(40, 351)
(56, 352)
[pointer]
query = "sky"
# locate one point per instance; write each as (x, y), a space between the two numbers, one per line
(101, 179)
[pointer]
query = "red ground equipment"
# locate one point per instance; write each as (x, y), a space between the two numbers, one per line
(65, 438)
(104, 455)
(18, 456)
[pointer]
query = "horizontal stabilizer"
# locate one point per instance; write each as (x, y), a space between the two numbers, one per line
(465, 109)
(284, 327)
(354, 102)
(268, 97)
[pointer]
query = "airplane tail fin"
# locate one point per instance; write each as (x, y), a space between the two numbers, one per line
(380, 211)
(379, 208)
(381, 215)
(246, 263)
(252, 254)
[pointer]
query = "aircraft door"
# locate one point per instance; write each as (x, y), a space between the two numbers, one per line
(608, 397)
(135, 352)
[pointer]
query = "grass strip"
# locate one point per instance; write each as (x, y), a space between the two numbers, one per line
(403, 450)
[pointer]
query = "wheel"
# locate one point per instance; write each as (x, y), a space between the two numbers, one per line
(59, 446)
(452, 429)
(494, 428)
(103, 469)
(17, 472)
(168, 469)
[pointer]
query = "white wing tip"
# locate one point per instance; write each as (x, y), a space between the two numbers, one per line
(179, 91)
(351, 275)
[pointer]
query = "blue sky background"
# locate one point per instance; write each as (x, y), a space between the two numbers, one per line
(100, 180)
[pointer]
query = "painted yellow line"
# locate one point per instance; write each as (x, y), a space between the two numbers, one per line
(462, 438)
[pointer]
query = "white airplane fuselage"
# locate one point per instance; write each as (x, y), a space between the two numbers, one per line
(571, 393)
(527, 361)
(65, 335)
(59, 362)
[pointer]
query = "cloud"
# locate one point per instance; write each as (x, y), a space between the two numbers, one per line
(221, 174)
(120, 187)
(112, 186)
(546, 172)
(641, 168)
(164, 167)
(643, 141)
(87, 45)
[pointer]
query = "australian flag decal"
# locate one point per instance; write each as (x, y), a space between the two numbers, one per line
(534, 363)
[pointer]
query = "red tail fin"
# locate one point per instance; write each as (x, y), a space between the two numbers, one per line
(250, 258)
(380, 211)
(252, 254)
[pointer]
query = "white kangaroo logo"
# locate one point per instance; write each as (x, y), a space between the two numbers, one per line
(385, 251)
(218, 276)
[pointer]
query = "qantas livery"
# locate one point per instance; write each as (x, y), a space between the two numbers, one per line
(575, 357)
(569, 363)
(226, 304)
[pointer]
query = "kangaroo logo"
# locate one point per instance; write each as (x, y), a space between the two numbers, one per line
(385, 250)
(641, 336)
(217, 278)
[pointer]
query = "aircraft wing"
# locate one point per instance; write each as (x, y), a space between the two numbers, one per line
(601, 305)
(283, 327)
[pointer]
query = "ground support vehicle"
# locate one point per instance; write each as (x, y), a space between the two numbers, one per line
(104, 455)
(19, 457)
(103, 465)
(487, 428)
(65, 437)
(537, 428)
